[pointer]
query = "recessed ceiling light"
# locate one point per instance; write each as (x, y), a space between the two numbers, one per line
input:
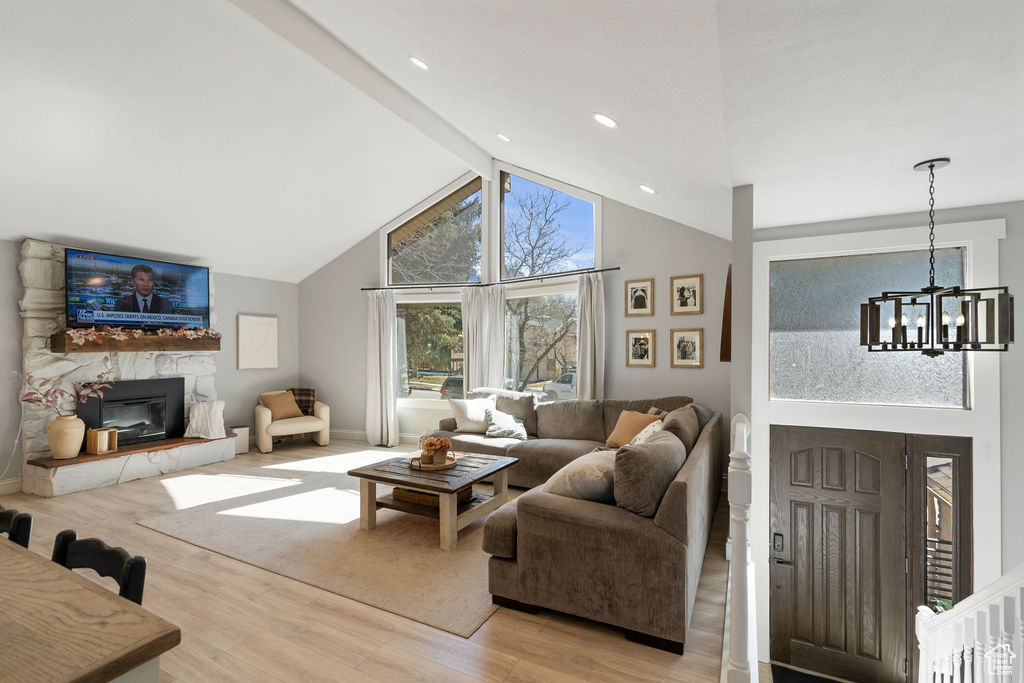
(504, 138)
(648, 189)
(605, 120)
(420, 63)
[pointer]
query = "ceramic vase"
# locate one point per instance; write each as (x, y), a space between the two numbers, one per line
(65, 435)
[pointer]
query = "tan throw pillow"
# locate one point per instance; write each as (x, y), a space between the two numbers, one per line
(282, 405)
(683, 423)
(629, 424)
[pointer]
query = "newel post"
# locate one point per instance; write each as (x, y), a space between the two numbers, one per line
(741, 573)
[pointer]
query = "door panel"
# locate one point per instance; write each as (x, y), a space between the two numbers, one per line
(838, 547)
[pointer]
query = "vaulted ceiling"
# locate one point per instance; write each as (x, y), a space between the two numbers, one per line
(263, 142)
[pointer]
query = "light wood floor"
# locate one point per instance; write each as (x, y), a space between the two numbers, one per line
(243, 623)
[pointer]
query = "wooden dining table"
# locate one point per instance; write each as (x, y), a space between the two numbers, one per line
(56, 625)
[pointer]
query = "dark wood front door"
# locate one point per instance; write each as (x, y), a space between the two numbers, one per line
(838, 572)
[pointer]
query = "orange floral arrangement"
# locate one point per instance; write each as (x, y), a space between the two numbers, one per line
(435, 444)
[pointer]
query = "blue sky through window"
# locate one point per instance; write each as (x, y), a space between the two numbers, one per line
(576, 222)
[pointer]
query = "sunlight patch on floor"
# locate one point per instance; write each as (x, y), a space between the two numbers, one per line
(328, 505)
(190, 490)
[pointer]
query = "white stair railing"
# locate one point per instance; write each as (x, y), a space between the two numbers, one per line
(980, 640)
(741, 666)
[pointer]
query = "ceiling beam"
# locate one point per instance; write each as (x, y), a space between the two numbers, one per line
(302, 31)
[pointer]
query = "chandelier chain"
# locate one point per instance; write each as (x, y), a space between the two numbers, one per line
(931, 225)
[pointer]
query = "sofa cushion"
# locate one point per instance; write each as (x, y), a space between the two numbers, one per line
(500, 531)
(588, 477)
(612, 409)
(703, 414)
(521, 404)
(540, 458)
(477, 443)
(644, 472)
(504, 425)
(470, 414)
(629, 425)
(282, 405)
(683, 423)
(295, 425)
(579, 420)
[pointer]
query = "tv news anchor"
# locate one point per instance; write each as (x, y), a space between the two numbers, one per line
(143, 299)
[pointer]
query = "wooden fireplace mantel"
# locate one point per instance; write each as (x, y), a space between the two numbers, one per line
(61, 343)
(145, 447)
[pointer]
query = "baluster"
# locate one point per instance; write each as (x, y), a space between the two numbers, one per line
(739, 665)
(969, 649)
(958, 650)
(979, 647)
(1018, 643)
(1006, 636)
(925, 645)
(993, 639)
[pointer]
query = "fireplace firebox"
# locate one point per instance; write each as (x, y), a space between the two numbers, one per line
(141, 410)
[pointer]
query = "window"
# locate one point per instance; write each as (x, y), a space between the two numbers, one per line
(540, 340)
(814, 332)
(543, 230)
(430, 355)
(440, 244)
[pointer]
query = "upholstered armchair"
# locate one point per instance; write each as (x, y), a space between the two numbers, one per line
(278, 414)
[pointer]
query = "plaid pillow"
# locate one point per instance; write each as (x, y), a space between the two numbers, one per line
(305, 397)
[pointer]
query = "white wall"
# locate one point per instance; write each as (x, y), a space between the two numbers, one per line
(332, 344)
(234, 294)
(1011, 273)
(643, 246)
(742, 257)
(10, 358)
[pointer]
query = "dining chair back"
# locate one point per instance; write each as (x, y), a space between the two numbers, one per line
(17, 525)
(91, 553)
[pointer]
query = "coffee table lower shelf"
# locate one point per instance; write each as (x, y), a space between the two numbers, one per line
(477, 499)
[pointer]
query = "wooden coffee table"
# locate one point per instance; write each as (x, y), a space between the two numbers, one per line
(470, 469)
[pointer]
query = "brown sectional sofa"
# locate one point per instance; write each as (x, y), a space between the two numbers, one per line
(605, 563)
(559, 432)
(597, 560)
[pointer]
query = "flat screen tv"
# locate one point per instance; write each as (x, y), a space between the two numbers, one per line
(121, 291)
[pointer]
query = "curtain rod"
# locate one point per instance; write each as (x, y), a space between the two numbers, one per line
(568, 273)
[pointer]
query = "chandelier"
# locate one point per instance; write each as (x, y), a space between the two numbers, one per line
(944, 318)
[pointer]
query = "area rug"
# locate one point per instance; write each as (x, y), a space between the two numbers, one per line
(301, 520)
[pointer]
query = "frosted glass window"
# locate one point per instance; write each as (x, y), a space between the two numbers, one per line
(815, 352)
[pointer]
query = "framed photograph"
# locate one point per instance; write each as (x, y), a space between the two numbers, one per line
(640, 297)
(257, 341)
(640, 348)
(687, 294)
(688, 348)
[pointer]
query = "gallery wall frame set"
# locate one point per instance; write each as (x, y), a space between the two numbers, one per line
(687, 294)
(640, 297)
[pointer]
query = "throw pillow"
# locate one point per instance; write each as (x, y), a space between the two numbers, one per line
(703, 413)
(470, 414)
(643, 472)
(504, 425)
(282, 405)
(655, 410)
(206, 420)
(588, 477)
(646, 433)
(630, 424)
(305, 398)
(683, 423)
(521, 404)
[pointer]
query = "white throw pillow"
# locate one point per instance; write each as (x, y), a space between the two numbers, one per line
(471, 414)
(206, 420)
(646, 432)
(501, 424)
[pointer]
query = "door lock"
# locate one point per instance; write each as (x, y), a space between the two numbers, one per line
(777, 543)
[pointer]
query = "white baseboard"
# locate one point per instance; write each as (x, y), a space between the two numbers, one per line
(349, 434)
(10, 486)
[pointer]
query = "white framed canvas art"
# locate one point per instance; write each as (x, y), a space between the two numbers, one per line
(257, 341)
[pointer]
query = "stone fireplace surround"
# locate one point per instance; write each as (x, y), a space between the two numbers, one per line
(42, 311)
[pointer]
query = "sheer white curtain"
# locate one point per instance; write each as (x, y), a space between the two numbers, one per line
(483, 327)
(381, 351)
(590, 307)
